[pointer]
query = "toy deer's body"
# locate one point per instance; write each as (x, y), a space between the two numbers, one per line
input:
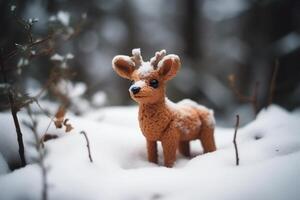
(174, 125)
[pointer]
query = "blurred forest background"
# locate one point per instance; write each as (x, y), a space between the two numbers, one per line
(214, 38)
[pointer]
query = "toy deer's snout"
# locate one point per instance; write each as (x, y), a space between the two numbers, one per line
(135, 89)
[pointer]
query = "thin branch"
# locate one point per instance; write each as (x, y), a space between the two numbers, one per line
(273, 83)
(27, 27)
(237, 93)
(33, 44)
(42, 109)
(41, 155)
(253, 99)
(14, 111)
(49, 124)
(234, 139)
(87, 145)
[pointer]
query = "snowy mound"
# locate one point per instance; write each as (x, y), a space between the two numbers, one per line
(3, 165)
(269, 149)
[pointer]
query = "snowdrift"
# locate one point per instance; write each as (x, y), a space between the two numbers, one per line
(269, 149)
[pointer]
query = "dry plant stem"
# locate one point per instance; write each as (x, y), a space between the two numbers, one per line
(87, 145)
(45, 185)
(15, 118)
(254, 98)
(33, 44)
(273, 83)
(41, 154)
(41, 141)
(234, 140)
(250, 99)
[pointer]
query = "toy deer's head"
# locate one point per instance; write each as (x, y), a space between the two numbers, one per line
(148, 78)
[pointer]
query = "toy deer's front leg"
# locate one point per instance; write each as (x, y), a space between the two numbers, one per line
(170, 144)
(152, 151)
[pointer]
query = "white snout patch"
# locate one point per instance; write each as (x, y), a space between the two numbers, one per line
(139, 83)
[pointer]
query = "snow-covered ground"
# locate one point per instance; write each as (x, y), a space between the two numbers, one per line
(269, 149)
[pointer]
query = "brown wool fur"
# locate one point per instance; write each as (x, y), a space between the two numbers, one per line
(174, 125)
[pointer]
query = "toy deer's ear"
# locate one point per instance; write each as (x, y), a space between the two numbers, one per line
(168, 66)
(123, 65)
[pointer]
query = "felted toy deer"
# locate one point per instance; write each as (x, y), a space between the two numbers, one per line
(174, 125)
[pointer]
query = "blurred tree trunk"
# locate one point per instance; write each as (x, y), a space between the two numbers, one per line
(128, 15)
(190, 28)
(265, 24)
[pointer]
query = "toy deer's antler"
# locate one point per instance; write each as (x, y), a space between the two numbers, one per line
(137, 57)
(159, 55)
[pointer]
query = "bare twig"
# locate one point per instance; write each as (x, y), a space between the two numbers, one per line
(14, 111)
(41, 154)
(234, 140)
(33, 44)
(87, 145)
(253, 99)
(49, 124)
(273, 83)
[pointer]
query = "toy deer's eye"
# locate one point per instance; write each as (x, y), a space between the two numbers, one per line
(131, 82)
(154, 83)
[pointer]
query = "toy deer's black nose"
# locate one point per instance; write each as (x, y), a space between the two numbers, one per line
(135, 89)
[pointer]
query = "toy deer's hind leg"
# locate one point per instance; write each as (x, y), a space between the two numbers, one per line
(184, 148)
(169, 145)
(152, 151)
(207, 139)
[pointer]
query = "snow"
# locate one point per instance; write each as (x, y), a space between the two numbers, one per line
(188, 102)
(136, 52)
(22, 62)
(13, 8)
(3, 165)
(62, 16)
(288, 43)
(145, 69)
(269, 149)
(57, 57)
(99, 99)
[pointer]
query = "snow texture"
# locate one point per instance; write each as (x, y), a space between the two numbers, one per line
(3, 166)
(188, 102)
(13, 8)
(288, 43)
(136, 52)
(62, 16)
(145, 69)
(99, 98)
(269, 149)
(57, 57)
